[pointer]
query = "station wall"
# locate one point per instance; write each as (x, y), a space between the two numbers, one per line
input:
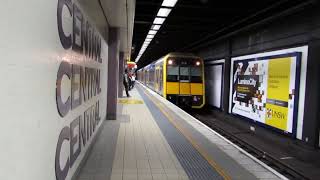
(53, 74)
(300, 29)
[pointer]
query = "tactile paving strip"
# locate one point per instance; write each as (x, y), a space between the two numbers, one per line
(196, 167)
(130, 101)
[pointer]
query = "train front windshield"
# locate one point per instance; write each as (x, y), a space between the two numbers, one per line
(184, 70)
(173, 73)
(196, 73)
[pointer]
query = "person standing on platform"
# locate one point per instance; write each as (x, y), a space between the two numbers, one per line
(126, 82)
(130, 81)
(133, 80)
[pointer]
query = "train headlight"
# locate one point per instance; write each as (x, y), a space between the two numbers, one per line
(198, 63)
(170, 62)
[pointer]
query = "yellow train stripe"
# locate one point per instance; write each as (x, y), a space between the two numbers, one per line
(172, 88)
(184, 88)
(185, 132)
(196, 88)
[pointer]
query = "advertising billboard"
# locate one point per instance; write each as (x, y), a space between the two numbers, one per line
(265, 90)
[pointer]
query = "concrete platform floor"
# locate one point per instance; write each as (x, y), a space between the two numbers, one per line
(153, 139)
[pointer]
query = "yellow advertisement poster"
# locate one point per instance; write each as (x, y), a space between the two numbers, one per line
(278, 92)
(265, 90)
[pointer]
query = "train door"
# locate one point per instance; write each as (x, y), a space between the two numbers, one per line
(184, 83)
(152, 77)
(147, 77)
(184, 78)
(156, 80)
(160, 79)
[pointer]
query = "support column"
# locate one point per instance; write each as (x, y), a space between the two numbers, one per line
(226, 80)
(113, 71)
(311, 119)
(121, 71)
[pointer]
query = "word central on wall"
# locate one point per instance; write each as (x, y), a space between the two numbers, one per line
(85, 85)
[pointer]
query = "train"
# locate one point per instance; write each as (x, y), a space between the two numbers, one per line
(178, 77)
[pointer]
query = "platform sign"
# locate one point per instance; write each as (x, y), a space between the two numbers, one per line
(265, 89)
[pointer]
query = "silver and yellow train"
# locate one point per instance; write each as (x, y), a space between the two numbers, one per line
(178, 77)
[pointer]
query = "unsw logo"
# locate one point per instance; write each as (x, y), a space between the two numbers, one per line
(275, 114)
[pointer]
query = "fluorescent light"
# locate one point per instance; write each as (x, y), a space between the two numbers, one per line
(152, 32)
(155, 27)
(158, 20)
(163, 12)
(169, 3)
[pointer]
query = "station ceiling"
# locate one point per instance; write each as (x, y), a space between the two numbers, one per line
(194, 22)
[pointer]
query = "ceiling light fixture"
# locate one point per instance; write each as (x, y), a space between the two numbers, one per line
(152, 32)
(169, 3)
(150, 36)
(159, 20)
(155, 27)
(163, 12)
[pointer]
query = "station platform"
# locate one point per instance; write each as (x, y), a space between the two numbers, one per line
(154, 139)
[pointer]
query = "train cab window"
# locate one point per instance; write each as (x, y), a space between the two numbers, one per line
(172, 73)
(184, 73)
(196, 74)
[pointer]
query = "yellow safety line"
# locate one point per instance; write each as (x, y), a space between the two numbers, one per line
(130, 101)
(192, 141)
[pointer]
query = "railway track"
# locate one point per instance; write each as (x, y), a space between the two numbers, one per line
(273, 162)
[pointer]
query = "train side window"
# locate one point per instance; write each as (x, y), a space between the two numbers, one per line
(172, 73)
(196, 74)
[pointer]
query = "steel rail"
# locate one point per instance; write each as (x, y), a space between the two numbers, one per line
(265, 157)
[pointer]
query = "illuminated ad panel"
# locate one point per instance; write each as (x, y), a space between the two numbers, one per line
(265, 89)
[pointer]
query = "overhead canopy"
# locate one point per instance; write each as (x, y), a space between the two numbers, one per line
(113, 13)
